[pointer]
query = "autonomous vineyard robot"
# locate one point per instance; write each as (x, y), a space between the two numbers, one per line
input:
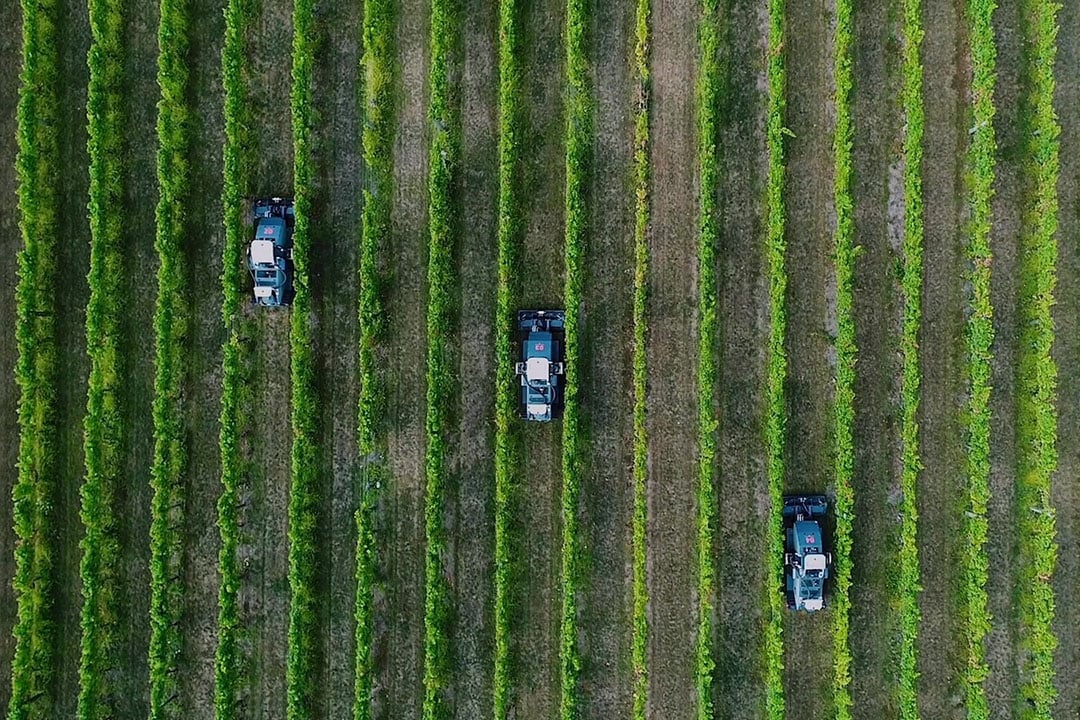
(806, 563)
(542, 334)
(270, 254)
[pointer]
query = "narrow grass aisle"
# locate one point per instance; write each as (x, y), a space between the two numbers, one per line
(640, 651)
(442, 284)
(33, 664)
(1036, 373)
(911, 293)
(776, 371)
(509, 121)
(846, 356)
(980, 336)
(168, 475)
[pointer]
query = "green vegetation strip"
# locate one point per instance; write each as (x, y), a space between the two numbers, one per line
(980, 337)
(104, 442)
(911, 293)
(38, 169)
(579, 126)
(640, 652)
(301, 670)
(709, 91)
(378, 139)
(229, 665)
(442, 286)
(167, 476)
(508, 223)
(846, 354)
(776, 370)
(1037, 373)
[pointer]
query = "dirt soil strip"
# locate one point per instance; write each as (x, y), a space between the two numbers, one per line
(264, 591)
(744, 329)
(10, 243)
(140, 262)
(535, 644)
(471, 530)
(811, 302)
(334, 286)
(942, 483)
(672, 364)
(1066, 491)
(203, 384)
(607, 399)
(72, 294)
(1001, 643)
(878, 194)
(399, 608)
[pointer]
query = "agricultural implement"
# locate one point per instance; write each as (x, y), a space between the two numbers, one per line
(270, 254)
(806, 564)
(542, 334)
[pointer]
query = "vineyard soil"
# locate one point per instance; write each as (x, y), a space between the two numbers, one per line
(607, 376)
(1066, 492)
(672, 362)
(535, 640)
(740, 546)
(334, 287)
(942, 486)
(203, 382)
(71, 342)
(811, 303)
(471, 528)
(400, 606)
(1005, 237)
(878, 194)
(264, 589)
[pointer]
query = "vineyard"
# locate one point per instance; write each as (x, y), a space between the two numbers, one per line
(802, 248)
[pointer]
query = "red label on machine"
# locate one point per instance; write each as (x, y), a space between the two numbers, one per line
(539, 347)
(809, 539)
(268, 231)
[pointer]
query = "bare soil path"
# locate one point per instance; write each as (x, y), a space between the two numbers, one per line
(140, 289)
(72, 296)
(744, 327)
(943, 481)
(535, 644)
(811, 303)
(264, 590)
(471, 531)
(672, 364)
(607, 399)
(399, 601)
(204, 341)
(10, 244)
(334, 286)
(1066, 492)
(1005, 233)
(878, 193)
